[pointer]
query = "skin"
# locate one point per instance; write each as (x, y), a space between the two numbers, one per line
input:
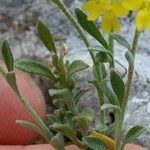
(11, 109)
(49, 147)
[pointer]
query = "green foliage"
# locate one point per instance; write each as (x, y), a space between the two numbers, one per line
(94, 143)
(76, 66)
(58, 141)
(35, 67)
(45, 36)
(130, 58)
(103, 55)
(121, 40)
(133, 133)
(106, 86)
(84, 120)
(79, 94)
(7, 55)
(90, 27)
(29, 125)
(118, 86)
(67, 124)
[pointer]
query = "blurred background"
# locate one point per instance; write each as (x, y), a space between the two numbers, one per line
(18, 22)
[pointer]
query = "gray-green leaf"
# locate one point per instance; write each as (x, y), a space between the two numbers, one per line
(35, 67)
(121, 41)
(30, 125)
(133, 133)
(94, 143)
(118, 86)
(76, 66)
(7, 55)
(67, 131)
(52, 119)
(45, 36)
(90, 27)
(109, 92)
(58, 141)
(110, 106)
(100, 49)
(130, 58)
(79, 94)
(53, 92)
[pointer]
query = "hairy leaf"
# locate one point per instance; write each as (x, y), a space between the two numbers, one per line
(67, 131)
(90, 27)
(133, 133)
(52, 119)
(110, 106)
(58, 141)
(7, 55)
(109, 92)
(102, 57)
(117, 85)
(79, 94)
(45, 36)
(76, 66)
(100, 49)
(85, 119)
(53, 92)
(130, 58)
(121, 40)
(29, 125)
(35, 67)
(94, 143)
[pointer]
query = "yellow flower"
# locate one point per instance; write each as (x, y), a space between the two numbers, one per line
(110, 10)
(142, 18)
(108, 141)
(132, 4)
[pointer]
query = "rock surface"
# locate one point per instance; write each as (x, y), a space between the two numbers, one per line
(18, 19)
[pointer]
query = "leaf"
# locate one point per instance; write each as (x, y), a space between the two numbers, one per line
(109, 92)
(94, 143)
(7, 55)
(30, 125)
(102, 57)
(130, 58)
(85, 119)
(118, 86)
(76, 66)
(58, 141)
(58, 101)
(79, 94)
(101, 49)
(52, 119)
(121, 40)
(90, 27)
(88, 113)
(45, 36)
(53, 92)
(67, 131)
(35, 67)
(110, 106)
(133, 133)
(107, 140)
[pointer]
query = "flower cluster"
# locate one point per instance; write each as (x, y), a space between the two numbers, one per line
(111, 10)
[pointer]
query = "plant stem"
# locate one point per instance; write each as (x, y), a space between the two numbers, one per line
(100, 92)
(111, 49)
(11, 79)
(128, 89)
(85, 40)
(131, 70)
